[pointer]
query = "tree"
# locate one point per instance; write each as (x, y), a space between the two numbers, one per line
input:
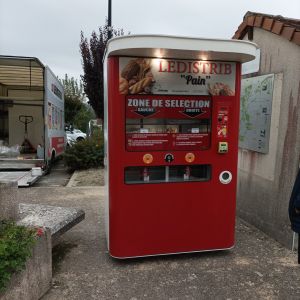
(77, 111)
(92, 53)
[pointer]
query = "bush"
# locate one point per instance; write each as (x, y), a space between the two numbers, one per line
(85, 154)
(16, 243)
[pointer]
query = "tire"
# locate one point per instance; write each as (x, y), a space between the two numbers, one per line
(51, 162)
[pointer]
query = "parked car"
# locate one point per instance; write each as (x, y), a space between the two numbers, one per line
(74, 135)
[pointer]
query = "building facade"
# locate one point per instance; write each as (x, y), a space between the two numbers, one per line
(266, 179)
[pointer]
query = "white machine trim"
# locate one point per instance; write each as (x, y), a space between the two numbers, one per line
(165, 46)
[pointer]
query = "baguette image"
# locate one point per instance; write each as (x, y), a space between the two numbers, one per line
(136, 77)
(220, 89)
(123, 86)
(140, 85)
(132, 69)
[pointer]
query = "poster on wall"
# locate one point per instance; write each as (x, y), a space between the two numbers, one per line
(176, 77)
(255, 113)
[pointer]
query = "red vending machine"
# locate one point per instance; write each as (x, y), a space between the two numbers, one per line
(171, 143)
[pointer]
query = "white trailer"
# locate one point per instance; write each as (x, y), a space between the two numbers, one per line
(32, 132)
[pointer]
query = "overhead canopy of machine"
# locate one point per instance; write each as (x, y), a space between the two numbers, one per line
(162, 46)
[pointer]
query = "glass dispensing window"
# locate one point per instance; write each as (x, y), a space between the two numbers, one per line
(165, 174)
(171, 126)
(167, 126)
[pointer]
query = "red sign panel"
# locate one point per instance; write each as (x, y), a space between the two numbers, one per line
(167, 123)
(166, 141)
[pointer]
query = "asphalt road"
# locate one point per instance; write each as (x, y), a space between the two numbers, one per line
(257, 268)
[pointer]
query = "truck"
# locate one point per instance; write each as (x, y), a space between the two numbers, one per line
(32, 129)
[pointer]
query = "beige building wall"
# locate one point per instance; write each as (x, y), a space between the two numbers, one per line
(266, 180)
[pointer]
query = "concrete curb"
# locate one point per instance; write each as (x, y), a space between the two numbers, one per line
(72, 181)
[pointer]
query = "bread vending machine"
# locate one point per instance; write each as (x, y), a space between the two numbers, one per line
(171, 143)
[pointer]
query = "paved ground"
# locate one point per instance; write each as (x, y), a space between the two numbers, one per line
(57, 177)
(258, 268)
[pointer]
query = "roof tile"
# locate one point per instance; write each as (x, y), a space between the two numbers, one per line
(288, 32)
(250, 20)
(267, 24)
(258, 21)
(277, 27)
(286, 27)
(296, 38)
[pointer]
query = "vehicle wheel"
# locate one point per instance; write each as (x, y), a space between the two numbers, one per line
(79, 139)
(50, 163)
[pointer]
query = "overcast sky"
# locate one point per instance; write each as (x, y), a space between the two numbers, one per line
(50, 29)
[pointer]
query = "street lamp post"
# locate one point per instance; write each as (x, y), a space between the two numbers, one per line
(109, 20)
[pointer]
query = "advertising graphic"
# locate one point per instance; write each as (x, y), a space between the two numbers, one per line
(222, 124)
(164, 76)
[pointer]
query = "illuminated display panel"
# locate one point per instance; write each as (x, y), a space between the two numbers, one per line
(157, 123)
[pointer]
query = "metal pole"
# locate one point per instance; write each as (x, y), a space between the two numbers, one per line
(109, 20)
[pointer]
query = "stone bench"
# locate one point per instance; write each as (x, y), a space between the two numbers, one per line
(35, 280)
(57, 219)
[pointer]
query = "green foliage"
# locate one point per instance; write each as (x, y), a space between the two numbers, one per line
(92, 53)
(77, 112)
(16, 243)
(85, 154)
(82, 118)
(73, 89)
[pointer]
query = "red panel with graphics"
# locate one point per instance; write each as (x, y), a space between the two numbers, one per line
(58, 144)
(167, 123)
(165, 164)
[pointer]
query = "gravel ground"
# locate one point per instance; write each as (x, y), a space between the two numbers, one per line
(90, 177)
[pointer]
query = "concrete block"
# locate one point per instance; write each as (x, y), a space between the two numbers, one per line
(33, 282)
(9, 206)
(57, 219)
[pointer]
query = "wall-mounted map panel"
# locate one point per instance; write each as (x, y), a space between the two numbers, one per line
(256, 111)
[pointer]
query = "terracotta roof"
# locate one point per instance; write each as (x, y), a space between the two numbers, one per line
(287, 28)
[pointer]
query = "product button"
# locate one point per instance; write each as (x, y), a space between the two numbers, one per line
(148, 158)
(189, 157)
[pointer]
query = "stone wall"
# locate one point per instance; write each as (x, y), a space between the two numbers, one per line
(33, 282)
